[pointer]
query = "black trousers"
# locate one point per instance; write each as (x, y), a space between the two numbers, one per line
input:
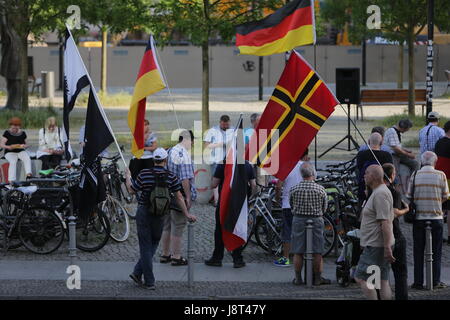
(50, 161)
(400, 269)
(219, 247)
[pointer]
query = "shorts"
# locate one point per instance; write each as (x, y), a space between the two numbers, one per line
(298, 238)
(213, 169)
(174, 223)
(286, 231)
(372, 256)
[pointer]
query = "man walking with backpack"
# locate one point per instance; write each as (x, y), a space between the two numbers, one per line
(155, 185)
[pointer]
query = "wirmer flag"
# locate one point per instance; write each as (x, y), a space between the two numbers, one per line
(290, 26)
(149, 81)
(297, 109)
(233, 196)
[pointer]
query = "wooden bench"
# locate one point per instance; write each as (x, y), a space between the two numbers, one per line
(388, 97)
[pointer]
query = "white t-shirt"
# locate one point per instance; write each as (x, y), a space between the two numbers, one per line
(216, 135)
(292, 179)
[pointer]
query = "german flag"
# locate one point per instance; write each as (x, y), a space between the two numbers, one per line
(285, 29)
(297, 109)
(149, 81)
(442, 150)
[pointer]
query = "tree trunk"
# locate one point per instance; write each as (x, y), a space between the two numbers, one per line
(205, 86)
(14, 63)
(411, 82)
(24, 80)
(401, 48)
(104, 61)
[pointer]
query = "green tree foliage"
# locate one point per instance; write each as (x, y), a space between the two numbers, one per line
(113, 16)
(18, 20)
(401, 20)
(200, 20)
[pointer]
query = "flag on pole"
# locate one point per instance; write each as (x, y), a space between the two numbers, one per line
(290, 26)
(297, 109)
(97, 138)
(233, 196)
(149, 81)
(75, 79)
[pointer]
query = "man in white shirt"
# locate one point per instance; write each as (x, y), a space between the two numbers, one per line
(284, 187)
(216, 140)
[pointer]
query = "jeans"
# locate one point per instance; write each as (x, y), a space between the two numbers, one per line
(400, 269)
(219, 247)
(419, 249)
(12, 158)
(149, 230)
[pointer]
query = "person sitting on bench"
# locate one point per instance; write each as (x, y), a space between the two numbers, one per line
(50, 150)
(14, 141)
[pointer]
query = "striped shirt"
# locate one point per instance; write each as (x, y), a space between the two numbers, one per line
(428, 136)
(430, 190)
(308, 198)
(145, 182)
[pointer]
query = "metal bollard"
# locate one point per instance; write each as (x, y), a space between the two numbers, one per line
(308, 255)
(428, 256)
(191, 252)
(72, 239)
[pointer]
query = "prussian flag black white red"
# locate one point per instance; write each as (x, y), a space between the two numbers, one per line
(233, 197)
(290, 26)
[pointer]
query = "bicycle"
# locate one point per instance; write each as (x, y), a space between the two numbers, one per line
(62, 196)
(116, 183)
(40, 230)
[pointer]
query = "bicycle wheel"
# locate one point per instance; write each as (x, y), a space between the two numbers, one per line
(251, 222)
(40, 230)
(329, 234)
(118, 219)
(127, 199)
(93, 233)
(267, 238)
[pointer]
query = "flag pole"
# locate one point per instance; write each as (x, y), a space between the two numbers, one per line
(98, 101)
(315, 137)
(168, 87)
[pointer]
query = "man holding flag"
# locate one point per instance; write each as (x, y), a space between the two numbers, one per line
(236, 181)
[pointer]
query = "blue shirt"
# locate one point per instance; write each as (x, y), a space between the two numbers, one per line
(428, 136)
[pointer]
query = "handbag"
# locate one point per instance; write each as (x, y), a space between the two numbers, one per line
(410, 216)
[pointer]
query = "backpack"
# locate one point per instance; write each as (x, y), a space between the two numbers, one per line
(159, 200)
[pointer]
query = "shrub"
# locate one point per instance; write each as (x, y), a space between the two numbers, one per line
(34, 118)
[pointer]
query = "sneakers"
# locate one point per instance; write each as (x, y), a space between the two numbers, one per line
(417, 286)
(282, 262)
(148, 287)
(213, 263)
(440, 285)
(238, 263)
(136, 280)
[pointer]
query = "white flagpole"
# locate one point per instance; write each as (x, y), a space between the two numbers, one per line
(98, 100)
(168, 87)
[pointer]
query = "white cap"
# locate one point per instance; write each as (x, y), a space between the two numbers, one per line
(160, 154)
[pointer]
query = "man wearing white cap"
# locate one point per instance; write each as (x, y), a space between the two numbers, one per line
(431, 133)
(149, 225)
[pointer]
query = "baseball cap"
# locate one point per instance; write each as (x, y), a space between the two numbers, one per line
(433, 115)
(160, 154)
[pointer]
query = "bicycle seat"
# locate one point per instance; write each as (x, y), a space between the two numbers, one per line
(28, 190)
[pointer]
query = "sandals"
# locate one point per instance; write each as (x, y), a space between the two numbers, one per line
(165, 259)
(179, 262)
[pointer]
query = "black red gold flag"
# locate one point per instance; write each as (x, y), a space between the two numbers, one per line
(290, 26)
